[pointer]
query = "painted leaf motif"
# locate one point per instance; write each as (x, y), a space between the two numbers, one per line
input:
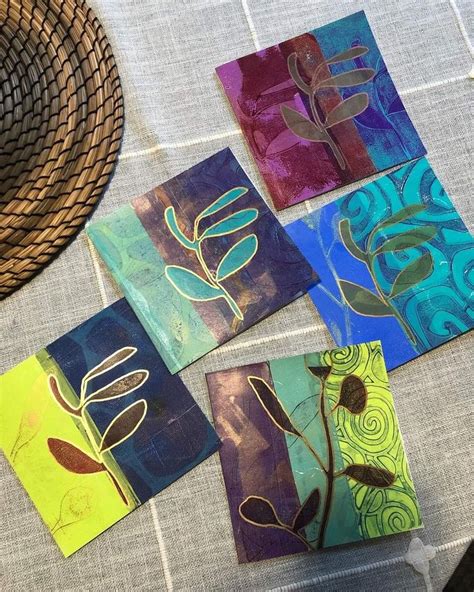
(295, 74)
(401, 215)
(73, 459)
(363, 301)
(349, 243)
(408, 239)
(347, 109)
(353, 394)
(301, 126)
(237, 257)
(372, 476)
(308, 511)
(224, 200)
(272, 405)
(116, 358)
(346, 79)
(349, 54)
(120, 387)
(57, 394)
(124, 425)
(258, 510)
(321, 372)
(413, 274)
(172, 222)
(190, 285)
(232, 223)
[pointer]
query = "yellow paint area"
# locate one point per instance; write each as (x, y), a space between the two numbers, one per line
(75, 507)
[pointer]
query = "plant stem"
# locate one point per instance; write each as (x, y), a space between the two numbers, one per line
(298, 536)
(337, 153)
(387, 301)
(230, 301)
(330, 470)
(313, 452)
(118, 487)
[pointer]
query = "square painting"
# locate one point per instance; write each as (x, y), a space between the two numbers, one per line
(311, 453)
(396, 263)
(201, 258)
(320, 111)
(94, 425)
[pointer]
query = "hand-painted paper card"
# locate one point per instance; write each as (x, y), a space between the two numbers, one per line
(311, 452)
(201, 258)
(395, 262)
(320, 111)
(94, 425)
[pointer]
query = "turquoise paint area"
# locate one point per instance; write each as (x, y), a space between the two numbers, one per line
(298, 392)
(172, 323)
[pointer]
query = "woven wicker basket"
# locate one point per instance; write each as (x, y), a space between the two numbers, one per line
(61, 119)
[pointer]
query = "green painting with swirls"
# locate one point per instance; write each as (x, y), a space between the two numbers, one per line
(396, 263)
(312, 454)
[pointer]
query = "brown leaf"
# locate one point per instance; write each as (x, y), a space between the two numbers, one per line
(73, 459)
(57, 394)
(121, 386)
(272, 405)
(301, 126)
(346, 79)
(347, 109)
(308, 511)
(372, 476)
(258, 511)
(321, 372)
(353, 394)
(295, 75)
(124, 425)
(113, 360)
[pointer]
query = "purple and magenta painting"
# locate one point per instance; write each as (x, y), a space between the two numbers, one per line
(320, 111)
(201, 258)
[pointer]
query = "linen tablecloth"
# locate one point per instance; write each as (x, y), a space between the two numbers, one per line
(176, 115)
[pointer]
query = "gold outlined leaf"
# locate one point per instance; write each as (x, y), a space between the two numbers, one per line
(353, 395)
(272, 405)
(301, 126)
(120, 387)
(347, 79)
(59, 397)
(413, 274)
(259, 511)
(347, 109)
(124, 425)
(408, 239)
(348, 241)
(364, 301)
(308, 510)
(111, 361)
(224, 200)
(292, 63)
(72, 458)
(372, 476)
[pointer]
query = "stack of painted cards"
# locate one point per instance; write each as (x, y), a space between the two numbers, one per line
(312, 456)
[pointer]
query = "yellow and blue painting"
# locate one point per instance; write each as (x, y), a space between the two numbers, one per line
(94, 425)
(396, 263)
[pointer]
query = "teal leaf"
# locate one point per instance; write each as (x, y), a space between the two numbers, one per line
(302, 126)
(408, 239)
(349, 243)
(232, 223)
(223, 201)
(237, 257)
(346, 79)
(363, 301)
(172, 223)
(401, 215)
(413, 274)
(190, 285)
(347, 109)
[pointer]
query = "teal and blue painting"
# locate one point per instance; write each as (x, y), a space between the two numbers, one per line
(396, 263)
(201, 258)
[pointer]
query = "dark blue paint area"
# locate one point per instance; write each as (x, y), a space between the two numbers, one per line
(174, 437)
(317, 237)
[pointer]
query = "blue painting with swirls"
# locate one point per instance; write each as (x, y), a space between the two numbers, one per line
(396, 263)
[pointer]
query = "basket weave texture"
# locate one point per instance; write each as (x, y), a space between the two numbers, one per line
(61, 121)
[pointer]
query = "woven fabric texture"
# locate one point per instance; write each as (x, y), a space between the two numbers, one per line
(176, 115)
